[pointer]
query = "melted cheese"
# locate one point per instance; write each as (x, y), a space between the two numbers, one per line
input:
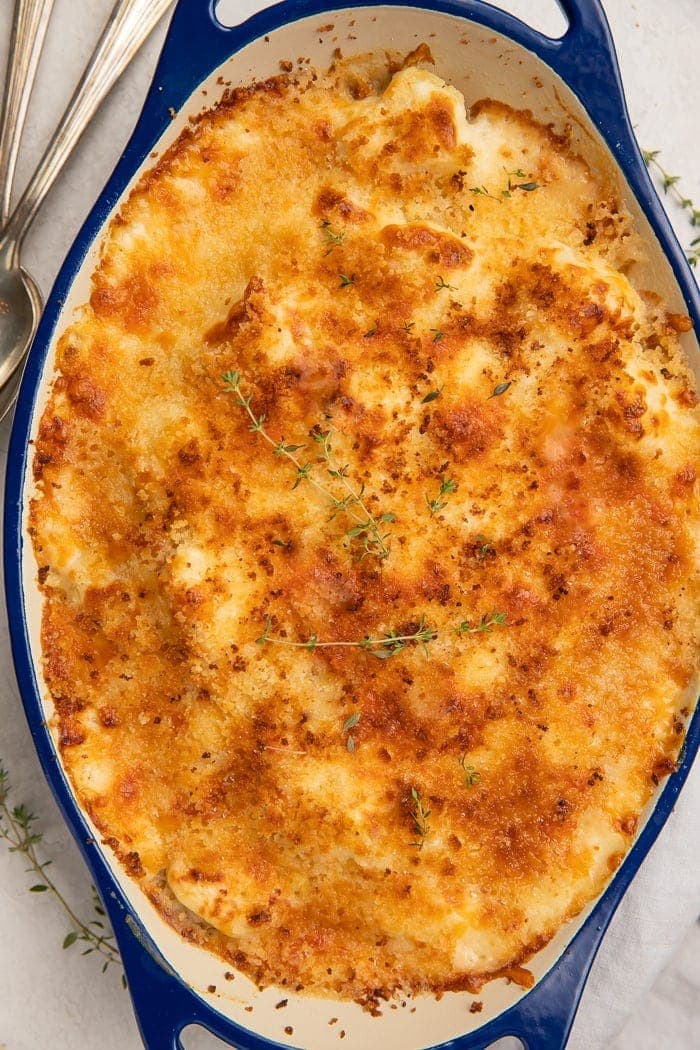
(380, 246)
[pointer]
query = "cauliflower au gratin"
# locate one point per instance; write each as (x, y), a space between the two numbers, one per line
(366, 657)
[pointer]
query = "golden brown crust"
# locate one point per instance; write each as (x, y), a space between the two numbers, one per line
(351, 273)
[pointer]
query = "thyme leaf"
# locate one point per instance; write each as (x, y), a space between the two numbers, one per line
(498, 390)
(349, 724)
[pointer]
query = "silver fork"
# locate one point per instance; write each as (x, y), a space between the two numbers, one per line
(29, 25)
(129, 24)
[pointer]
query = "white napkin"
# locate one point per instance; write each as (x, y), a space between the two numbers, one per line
(650, 924)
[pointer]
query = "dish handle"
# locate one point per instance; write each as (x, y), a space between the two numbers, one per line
(586, 59)
(162, 1003)
(584, 56)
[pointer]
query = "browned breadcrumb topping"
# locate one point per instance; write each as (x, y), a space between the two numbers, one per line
(347, 267)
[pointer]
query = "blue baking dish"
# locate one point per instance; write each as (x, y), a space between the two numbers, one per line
(580, 72)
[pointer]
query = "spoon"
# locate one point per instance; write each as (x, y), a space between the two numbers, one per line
(129, 24)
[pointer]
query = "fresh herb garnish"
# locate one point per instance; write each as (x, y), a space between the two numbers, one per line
(485, 625)
(441, 283)
(447, 485)
(367, 528)
(347, 279)
(484, 547)
(438, 335)
(481, 191)
(471, 776)
(333, 240)
(392, 642)
(420, 815)
(348, 725)
(18, 829)
(527, 187)
(432, 396)
(669, 185)
(498, 390)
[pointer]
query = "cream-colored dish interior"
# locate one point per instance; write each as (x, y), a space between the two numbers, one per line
(478, 63)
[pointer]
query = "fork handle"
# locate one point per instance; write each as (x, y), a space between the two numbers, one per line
(129, 24)
(28, 31)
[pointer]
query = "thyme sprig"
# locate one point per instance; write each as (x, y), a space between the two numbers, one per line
(471, 775)
(484, 547)
(442, 283)
(420, 815)
(527, 187)
(367, 529)
(447, 485)
(18, 829)
(481, 191)
(669, 184)
(485, 625)
(333, 239)
(392, 642)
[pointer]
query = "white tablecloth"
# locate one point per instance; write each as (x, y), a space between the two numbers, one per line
(49, 998)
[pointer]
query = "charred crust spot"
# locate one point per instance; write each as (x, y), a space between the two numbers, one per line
(133, 865)
(71, 735)
(87, 397)
(259, 918)
(109, 717)
(243, 312)
(440, 248)
(330, 201)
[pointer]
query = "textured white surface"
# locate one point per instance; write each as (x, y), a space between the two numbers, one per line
(49, 998)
